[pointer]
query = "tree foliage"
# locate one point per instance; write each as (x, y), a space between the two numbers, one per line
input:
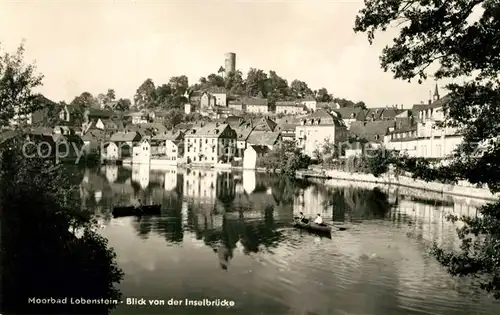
(287, 158)
(42, 256)
(447, 35)
(17, 81)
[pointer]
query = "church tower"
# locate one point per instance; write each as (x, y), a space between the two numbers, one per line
(436, 93)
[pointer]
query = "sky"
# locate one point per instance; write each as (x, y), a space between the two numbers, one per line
(94, 45)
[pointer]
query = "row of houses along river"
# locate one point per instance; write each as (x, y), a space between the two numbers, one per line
(228, 235)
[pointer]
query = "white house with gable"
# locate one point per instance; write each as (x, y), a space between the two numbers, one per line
(142, 152)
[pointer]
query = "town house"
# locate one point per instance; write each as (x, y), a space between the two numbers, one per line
(210, 143)
(348, 114)
(256, 105)
(207, 101)
(289, 108)
(137, 117)
(431, 140)
(243, 131)
(403, 140)
(309, 102)
(286, 126)
(236, 105)
(169, 145)
(264, 133)
(142, 151)
(316, 129)
(125, 141)
(220, 96)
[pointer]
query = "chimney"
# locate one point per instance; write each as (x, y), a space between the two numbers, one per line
(401, 106)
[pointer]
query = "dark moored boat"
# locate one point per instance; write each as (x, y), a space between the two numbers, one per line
(136, 211)
(313, 227)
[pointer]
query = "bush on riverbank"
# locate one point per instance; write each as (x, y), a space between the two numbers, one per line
(286, 157)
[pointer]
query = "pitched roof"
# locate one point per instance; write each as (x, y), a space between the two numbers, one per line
(309, 98)
(123, 136)
(264, 124)
(217, 90)
(348, 112)
(263, 137)
(255, 101)
(288, 119)
(94, 135)
(390, 113)
(371, 129)
(45, 131)
(326, 105)
(288, 103)
(322, 117)
(209, 130)
(243, 131)
(184, 126)
(100, 113)
(403, 129)
(112, 124)
(284, 127)
(147, 128)
(169, 135)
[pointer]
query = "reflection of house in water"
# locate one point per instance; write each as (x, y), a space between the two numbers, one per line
(249, 181)
(311, 201)
(111, 173)
(98, 195)
(429, 219)
(170, 178)
(140, 174)
(226, 187)
(201, 186)
(185, 213)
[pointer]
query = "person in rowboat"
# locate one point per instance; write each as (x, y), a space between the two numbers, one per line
(138, 206)
(318, 220)
(302, 218)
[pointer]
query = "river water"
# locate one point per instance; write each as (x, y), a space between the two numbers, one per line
(227, 236)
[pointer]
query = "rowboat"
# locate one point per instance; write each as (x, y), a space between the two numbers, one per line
(313, 227)
(136, 211)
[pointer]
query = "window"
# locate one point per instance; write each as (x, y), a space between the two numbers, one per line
(213, 158)
(206, 140)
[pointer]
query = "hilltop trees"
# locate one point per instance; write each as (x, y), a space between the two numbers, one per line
(165, 96)
(174, 93)
(300, 89)
(445, 35)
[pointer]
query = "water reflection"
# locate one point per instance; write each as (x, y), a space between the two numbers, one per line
(239, 225)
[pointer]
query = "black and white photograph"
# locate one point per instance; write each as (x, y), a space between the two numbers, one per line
(258, 157)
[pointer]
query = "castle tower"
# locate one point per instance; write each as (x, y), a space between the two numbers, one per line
(229, 63)
(436, 93)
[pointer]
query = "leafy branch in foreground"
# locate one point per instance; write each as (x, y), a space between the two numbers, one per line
(446, 35)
